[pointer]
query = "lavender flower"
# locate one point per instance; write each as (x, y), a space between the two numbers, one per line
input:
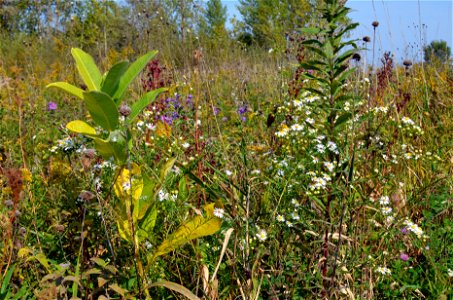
(242, 110)
(52, 106)
(404, 257)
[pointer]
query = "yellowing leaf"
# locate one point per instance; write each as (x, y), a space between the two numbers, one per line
(24, 252)
(125, 184)
(196, 227)
(81, 127)
(163, 129)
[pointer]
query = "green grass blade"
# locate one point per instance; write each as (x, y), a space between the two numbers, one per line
(87, 69)
(6, 280)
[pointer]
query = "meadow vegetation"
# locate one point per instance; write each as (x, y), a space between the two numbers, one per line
(179, 159)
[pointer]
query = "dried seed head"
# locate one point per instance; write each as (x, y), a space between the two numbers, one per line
(22, 231)
(59, 228)
(89, 153)
(86, 196)
(375, 24)
(356, 57)
(366, 39)
(124, 110)
(407, 63)
(9, 203)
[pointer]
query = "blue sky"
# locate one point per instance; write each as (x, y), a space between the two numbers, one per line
(404, 26)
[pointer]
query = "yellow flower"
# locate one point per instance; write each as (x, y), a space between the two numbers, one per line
(26, 174)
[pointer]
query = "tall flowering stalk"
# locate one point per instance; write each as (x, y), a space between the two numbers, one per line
(328, 81)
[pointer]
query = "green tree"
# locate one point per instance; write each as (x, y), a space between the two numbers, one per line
(269, 21)
(214, 18)
(437, 51)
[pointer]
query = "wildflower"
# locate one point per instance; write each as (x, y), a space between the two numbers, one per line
(320, 148)
(329, 166)
(384, 271)
(255, 172)
(297, 127)
(185, 145)
(163, 195)
(126, 186)
(390, 219)
(295, 203)
(404, 257)
(310, 121)
(228, 173)
(289, 223)
(218, 212)
(261, 235)
(150, 126)
(284, 130)
(407, 121)
(386, 210)
(52, 106)
(295, 216)
(384, 200)
(280, 218)
(450, 273)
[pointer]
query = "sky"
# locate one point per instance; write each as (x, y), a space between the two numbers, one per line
(404, 25)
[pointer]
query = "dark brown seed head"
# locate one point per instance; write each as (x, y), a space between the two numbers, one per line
(375, 24)
(366, 39)
(86, 196)
(124, 110)
(356, 57)
(407, 63)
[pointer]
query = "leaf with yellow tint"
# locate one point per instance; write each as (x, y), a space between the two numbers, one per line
(196, 227)
(163, 129)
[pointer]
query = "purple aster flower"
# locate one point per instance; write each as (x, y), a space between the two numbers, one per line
(52, 106)
(242, 109)
(403, 230)
(167, 120)
(404, 257)
(216, 111)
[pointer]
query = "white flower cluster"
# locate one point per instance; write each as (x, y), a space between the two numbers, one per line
(414, 228)
(384, 270)
(410, 127)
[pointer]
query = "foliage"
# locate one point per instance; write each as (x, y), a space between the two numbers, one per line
(437, 51)
(230, 183)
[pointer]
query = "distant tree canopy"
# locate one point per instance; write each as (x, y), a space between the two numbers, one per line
(214, 19)
(113, 23)
(437, 51)
(269, 21)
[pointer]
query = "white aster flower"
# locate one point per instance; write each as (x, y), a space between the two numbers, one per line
(261, 235)
(218, 212)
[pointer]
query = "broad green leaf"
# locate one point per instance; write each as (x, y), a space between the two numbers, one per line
(143, 102)
(177, 288)
(87, 69)
(196, 227)
(146, 198)
(81, 127)
(110, 149)
(149, 221)
(134, 69)
(69, 88)
(102, 109)
(342, 119)
(112, 80)
(183, 192)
